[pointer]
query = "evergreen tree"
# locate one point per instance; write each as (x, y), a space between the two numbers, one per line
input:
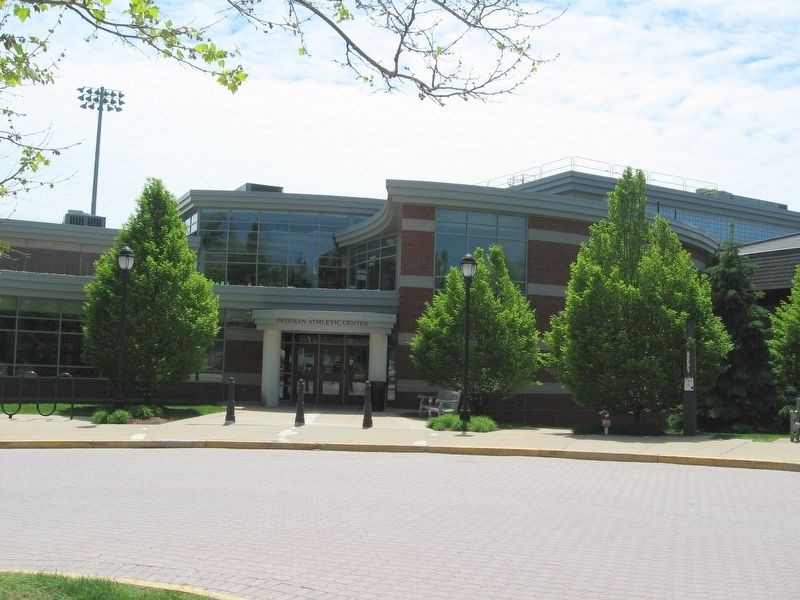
(172, 311)
(784, 345)
(504, 342)
(619, 343)
(745, 391)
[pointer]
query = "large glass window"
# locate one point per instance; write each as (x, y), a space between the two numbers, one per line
(41, 335)
(460, 231)
(272, 248)
(744, 232)
(373, 266)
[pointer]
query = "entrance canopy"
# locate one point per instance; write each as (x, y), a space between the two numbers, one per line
(324, 321)
(340, 323)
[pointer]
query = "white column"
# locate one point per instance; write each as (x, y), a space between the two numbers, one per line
(271, 368)
(378, 350)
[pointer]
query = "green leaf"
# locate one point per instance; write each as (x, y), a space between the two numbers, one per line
(21, 12)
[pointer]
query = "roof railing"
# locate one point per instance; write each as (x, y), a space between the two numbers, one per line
(598, 167)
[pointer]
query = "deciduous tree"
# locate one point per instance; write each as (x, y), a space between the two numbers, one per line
(172, 311)
(619, 343)
(504, 342)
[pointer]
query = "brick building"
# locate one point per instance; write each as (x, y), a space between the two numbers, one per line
(329, 288)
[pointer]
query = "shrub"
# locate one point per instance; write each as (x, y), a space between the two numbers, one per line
(451, 421)
(119, 417)
(143, 412)
(100, 416)
(482, 424)
(445, 421)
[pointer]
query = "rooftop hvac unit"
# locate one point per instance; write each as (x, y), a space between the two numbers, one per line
(78, 217)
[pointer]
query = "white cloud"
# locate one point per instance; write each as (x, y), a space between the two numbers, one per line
(708, 92)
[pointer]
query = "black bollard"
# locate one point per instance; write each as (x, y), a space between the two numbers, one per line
(367, 405)
(300, 417)
(230, 414)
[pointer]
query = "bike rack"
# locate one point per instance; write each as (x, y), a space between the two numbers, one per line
(30, 380)
(3, 398)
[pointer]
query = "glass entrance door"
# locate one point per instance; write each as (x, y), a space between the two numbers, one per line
(356, 375)
(305, 360)
(331, 374)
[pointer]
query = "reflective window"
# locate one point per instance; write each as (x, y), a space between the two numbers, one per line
(459, 232)
(41, 335)
(373, 266)
(719, 226)
(272, 248)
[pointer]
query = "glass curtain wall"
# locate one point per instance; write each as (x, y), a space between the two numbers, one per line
(273, 248)
(289, 249)
(720, 227)
(461, 231)
(373, 266)
(42, 335)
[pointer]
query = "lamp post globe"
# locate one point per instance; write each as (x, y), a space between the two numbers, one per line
(468, 267)
(125, 258)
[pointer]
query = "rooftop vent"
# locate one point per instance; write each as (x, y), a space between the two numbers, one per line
(78, 217)
(259, 187)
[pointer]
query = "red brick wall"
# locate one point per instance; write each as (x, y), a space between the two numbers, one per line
(546, 306)
(417, 256)
(562, 225)
(40, 260)
(412, 305)
(405, 368)
(419, 212)
(548, 262)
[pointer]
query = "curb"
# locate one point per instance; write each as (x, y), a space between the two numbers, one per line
(703, 461)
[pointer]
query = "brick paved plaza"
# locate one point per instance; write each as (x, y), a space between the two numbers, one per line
(278, 524)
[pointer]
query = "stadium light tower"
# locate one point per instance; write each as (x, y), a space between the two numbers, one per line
(97, 98)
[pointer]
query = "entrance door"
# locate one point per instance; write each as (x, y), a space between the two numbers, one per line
(331, 375)
(356, 375)
(305, 361)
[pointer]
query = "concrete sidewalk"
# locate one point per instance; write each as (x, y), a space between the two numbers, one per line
(329, 428)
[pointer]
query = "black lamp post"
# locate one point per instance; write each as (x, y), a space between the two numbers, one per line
(125, 260)
(97, 98)
(468, 266)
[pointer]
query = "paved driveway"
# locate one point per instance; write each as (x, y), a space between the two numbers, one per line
(278, 524)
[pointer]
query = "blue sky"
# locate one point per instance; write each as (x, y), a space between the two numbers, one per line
(707, 90)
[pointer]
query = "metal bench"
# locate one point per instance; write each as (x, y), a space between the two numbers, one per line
(444, 402)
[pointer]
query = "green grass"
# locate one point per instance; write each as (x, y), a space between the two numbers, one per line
(40, 586)
(171, 413)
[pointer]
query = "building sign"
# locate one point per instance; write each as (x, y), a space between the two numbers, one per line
(322, 322)
(318, 321)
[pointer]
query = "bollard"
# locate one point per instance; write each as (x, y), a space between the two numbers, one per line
(605, 420)
(300, 417)
(367, 405)
(230, 413)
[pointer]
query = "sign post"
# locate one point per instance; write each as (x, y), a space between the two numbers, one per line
(689, 375)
